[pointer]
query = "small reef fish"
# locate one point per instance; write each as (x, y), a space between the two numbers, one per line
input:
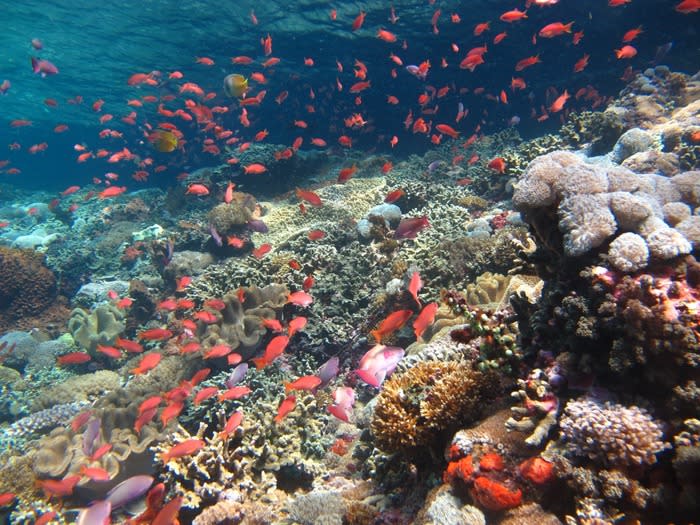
(425, 319)
(309, 382)
(149, 362)
(43, 67)
(286, 406)
(232, 423)
(393, 322)
(155, 334)
(409, 228)
(300, 298)
(343, 401)
(184, 448)
(379, 362)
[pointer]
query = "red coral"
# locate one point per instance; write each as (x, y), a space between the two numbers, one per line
(537, 470)
(491, 461)
(462, 469)
(495, 496)
(499, 221)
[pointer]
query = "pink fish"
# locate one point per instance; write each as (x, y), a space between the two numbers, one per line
(379, 362)
(43, 67)
(343, 400)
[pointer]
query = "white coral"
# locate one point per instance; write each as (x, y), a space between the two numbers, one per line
(628, 252)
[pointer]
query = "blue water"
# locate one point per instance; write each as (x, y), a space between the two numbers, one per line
(96, 50)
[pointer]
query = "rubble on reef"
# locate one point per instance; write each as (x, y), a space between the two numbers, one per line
(549, 342)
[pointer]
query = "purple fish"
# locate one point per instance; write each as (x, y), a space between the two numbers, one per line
(96, 514)
(328, 370)
(129, 490)
(409, 228)
(257, 226)
(237, 375)
(215, 235)
(92, 431)
(43, 66)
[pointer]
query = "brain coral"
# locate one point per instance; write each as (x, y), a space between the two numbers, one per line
(596, 202)
(611, 434)
(26, 286)
(416, 406)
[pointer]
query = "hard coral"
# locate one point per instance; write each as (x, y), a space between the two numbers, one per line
(415, 407)
(27, 286)
(611, 434)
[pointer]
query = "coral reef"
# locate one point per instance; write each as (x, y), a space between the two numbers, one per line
(611, 434)
(99, 326)
(419, 405)
(594, 203)
(28, 291)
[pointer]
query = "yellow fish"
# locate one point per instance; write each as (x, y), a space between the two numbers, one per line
(235, 85)
(163, 140)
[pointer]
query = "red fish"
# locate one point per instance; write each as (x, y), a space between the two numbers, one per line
(303, 383)
(425, 319)
(235, 392)
(112, 191)
(410, 227)
(300, 298)
(498, 164)
(513, 16)
(131, 347)
(394, 195)
(631, 34)
(232, 423)
(315, 235)
(218, 351)
(149, 362)
(109, 351)
(309, 196)
(527, 62)
(359, 20)
(296, 324)
(414, 286)
(581, 63)
(204, 394)
(74, 358)
(625, 52)
(197, 189)
(261, 250)
(273, 350)
(286, 406)
(555, 29)
(184, 448)
(254, 169)
(155, 334)
(393, 322)
(558, 104)
(447, 130)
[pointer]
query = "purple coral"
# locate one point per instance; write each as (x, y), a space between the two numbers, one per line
(610, 433)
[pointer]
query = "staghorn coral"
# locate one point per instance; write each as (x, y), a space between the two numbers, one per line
(416, 406)
(611, 434)
(99, 326)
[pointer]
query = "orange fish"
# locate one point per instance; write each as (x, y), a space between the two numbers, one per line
(447, 130)
(112, 191)
(425, 319)
(197, 189)
(581, 63)
(300, 298)
(385, 35)
(149, 362)
(303, 383)
(235, 392)
(558, 104)
(498, 164)
(414, 286)
(481, 28)
(232, 423)
(131, 347)
(359, 20)
(346, 174)
(273, 350)
(513, 16)
(632, 34)
(394, 195)
(625, 52)
(217, 351)
(555, 29)
(393, 322)
(204, 394)
(296, 324)
(73, 358)
(315, 235)
(310, 197)
(184, 448)
(109, 351)
(261, 250)
(286, 406)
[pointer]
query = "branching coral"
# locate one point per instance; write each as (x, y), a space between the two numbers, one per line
(415, 407)
(611, 434)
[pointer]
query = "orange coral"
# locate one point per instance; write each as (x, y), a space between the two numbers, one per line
(462, 469)
(491, 461)
(537, 470)
(495, 496)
